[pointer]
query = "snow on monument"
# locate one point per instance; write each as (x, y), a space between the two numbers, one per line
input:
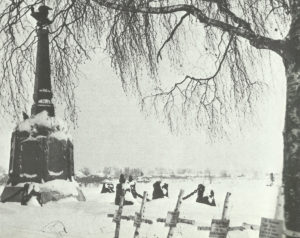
(41, 147)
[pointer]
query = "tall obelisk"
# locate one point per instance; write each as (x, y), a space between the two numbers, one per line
(41, 147)
(42, 86)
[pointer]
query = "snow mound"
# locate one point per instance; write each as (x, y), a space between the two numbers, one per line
(64, 187)
(56, 190)
(44, 125)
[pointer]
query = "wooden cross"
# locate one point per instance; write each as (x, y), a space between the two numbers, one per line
(173, 217)
(273, 228)
(220, 227)
(225, 207)
(138, 218)
(118, 215)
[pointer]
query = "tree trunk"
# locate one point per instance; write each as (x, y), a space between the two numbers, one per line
(291, 136)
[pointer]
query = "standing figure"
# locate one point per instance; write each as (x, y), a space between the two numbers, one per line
(272, 178)
(121, 191)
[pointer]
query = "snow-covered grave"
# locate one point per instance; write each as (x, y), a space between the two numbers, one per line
(251, 200)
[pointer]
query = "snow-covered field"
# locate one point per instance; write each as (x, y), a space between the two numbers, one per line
(251, 199)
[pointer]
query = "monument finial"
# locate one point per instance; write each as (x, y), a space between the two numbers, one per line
(41, 15)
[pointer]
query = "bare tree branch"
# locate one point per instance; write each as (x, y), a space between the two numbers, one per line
(171, 35)
(256, 40)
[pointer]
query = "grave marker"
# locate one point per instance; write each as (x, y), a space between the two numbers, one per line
(271, 228)
(219, 228)
(173, 217)
(138, 218)
(118, 215)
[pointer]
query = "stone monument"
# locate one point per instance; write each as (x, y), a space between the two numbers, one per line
(41, 147)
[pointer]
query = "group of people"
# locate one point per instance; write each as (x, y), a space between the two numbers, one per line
(127, 189)
(124, 187)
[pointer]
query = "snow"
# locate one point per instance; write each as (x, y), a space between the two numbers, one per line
(41, 119)
(250, 200)
(33, 202)
(60, 135)
(64, 187)
(55, 125)
(28, 175)
(52, 173)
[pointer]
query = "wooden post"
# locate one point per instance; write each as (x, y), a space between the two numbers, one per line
(220, 228)
(225, 208)
(139, 216)
(279, 204)
(173, 217)
(175, 214)
(118, 214)
(270, 228)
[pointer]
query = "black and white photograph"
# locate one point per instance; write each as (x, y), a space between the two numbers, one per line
(150, 118)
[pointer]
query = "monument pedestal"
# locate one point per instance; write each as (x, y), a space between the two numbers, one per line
(41, 151)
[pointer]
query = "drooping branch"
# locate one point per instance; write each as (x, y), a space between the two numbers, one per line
(171, 35)
(204, 97)
(242, 30)
(218, 68)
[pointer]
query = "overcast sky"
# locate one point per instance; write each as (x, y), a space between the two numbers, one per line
(113, 132)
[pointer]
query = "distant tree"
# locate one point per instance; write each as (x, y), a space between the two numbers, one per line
(232, 36)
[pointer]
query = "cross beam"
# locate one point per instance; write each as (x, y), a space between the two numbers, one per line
(173, 217)
(138, 218)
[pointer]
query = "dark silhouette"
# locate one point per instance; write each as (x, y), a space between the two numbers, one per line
(42, 15)
(107, 188)
(208, 200)
(27, 196)
(120, 191)
(158, 192)
(166, 188)
(25, 116)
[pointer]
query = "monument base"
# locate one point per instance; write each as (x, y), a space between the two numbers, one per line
(54, 190)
